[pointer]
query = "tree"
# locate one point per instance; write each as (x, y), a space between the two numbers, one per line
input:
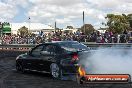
(88, 29)
(69, 27)
(23, 31)
(117, 23)
(129, 17)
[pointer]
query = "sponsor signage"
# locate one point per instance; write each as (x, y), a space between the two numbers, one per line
(107, 78)
(6, 28)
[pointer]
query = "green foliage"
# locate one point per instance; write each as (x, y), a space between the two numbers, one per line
(69, 27)
(23, 31)
(87, 29)
(118, 23)
(129, 17)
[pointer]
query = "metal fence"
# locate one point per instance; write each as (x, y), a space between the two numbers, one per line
(26, 47)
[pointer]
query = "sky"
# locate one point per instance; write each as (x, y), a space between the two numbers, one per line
(64, 12)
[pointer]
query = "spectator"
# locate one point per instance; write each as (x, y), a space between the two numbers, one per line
(96, 36)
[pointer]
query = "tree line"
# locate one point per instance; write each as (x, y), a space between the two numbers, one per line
(114, 23)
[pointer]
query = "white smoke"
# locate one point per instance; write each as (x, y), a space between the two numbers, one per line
(109, 61)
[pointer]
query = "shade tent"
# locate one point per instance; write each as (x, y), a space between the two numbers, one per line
(70, 30)
(34, 27)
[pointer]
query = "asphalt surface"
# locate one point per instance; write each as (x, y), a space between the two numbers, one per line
(9, 78)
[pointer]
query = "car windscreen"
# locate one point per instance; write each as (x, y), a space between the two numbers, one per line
(73, 46)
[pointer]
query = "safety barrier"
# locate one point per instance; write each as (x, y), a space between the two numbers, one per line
(26, 47)
(18, 47)
(112, 45)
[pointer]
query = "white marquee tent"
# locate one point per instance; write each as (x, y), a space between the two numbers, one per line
(33, 27)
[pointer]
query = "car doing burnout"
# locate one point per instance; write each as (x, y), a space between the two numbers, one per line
(57, 58)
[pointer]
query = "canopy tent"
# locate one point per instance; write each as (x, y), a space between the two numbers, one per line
(35, 27)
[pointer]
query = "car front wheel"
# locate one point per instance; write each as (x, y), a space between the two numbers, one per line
(19, 68)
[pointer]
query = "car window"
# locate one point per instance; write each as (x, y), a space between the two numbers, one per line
(37, 51)
(73, 46)
(58, 50)
(49, 49)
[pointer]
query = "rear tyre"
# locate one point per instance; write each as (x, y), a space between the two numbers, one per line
(80, 80)
(55, 71)
(20, 68)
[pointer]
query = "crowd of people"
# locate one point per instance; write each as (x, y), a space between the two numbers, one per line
(96, 36)
(110, 37)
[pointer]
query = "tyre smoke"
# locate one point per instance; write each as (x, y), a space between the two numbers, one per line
(109, 61)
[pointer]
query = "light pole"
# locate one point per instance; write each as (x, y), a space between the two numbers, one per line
(55, 27)
(29, 30)
(83, 22)
(29, 24)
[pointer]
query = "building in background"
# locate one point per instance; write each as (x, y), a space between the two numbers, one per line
(6, 29)
(69, 29)
(35, 28)
(102, 30)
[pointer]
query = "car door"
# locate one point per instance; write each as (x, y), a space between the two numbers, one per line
(47, 57)
(34, 58)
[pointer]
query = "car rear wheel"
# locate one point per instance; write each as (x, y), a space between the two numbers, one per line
(55, 71)
(19, 68)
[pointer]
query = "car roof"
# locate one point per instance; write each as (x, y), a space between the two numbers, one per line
(53, 42)
(57, 42)
(62, 41)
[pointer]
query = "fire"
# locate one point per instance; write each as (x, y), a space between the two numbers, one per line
(81, 71)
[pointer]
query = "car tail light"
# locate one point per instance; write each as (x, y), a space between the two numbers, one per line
(75, 56)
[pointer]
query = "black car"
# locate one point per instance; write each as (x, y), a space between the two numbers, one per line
(58, 58)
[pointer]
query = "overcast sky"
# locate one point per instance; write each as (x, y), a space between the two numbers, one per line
(64, 12)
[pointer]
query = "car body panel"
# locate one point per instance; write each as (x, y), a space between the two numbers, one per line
(42, 56)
